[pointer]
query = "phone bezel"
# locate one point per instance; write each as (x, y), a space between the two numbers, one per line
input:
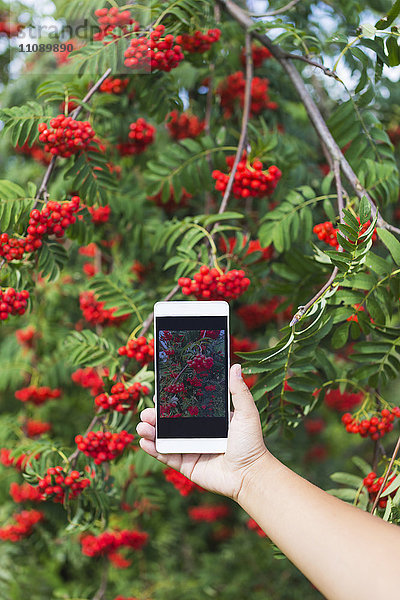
(187, 308)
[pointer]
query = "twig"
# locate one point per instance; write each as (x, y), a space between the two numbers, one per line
(278, 11)
(99, 595)
(303, 309)
(245, 121)
(312, 110)
(395, 451)
(327, 71)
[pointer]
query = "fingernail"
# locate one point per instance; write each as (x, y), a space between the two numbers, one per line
(237, 371)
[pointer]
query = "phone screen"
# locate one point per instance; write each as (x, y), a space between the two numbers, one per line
(192, 377)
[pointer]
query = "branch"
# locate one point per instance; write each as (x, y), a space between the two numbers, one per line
(99, 595)
(245, 121)
(278, 11)
(312, 109)
(395, 451)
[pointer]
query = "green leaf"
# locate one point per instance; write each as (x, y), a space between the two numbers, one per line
(390, 17)
(391, 243)
(51, 259)
(347, 479)
(364, 210)
(340, 335)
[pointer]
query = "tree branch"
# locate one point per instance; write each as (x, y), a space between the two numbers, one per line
(99, 595)
(278, 11)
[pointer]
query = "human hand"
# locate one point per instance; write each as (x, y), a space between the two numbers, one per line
(221, 473)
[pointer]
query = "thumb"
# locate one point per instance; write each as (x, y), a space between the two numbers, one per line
(241, 396)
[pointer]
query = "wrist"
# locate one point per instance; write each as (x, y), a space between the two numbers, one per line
(261, 468)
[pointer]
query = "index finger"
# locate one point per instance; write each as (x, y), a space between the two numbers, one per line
(148, 415)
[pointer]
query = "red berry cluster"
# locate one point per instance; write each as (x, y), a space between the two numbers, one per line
(211, 333)
(25, 493)
(342, 401)
(154, 52)
(195, 381)
(37, 395)
(373, 484)
(10, 461)
(314, 426)
(26, 336)
(241, 345)
(181, 126)
(141, 134)
(171, 203)
(56, 484)
(95, 313)
(35, 151)
(114, 85)
(175, 388)
(65, 136)
(259, 54)
(108, 543)
(210, 284)
(34, 428)
(53, 219)
(198, 42)
(12, 302)
(24, 523)
(375, 427)
(110, 18)
(100, 215)
(89, 250)
(208, 513)
(103, 445)
(122, 399)
(232, 89)
(201, 363)
(257, 314)
(140, 349)
(180, 482)
(394, 134)
(89, 378)
(358, 308)
(254, 246)
(250, 178)
(328, 234)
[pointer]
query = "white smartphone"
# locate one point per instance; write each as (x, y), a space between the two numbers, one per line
(191, 357)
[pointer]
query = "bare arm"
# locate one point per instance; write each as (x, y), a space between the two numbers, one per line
(346, 553)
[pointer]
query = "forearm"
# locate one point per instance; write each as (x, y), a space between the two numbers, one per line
(346, 553)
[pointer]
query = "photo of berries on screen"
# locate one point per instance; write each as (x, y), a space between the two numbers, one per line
(191, 367)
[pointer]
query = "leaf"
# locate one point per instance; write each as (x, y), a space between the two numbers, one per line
(347, 479)
(390, 17)
(364, 210)
(340, 335)
(51, 259)
(391, 243)
(86, 348)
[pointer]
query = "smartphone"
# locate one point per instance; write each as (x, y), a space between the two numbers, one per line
(191, 376)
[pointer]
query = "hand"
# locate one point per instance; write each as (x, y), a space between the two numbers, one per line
(220, 473)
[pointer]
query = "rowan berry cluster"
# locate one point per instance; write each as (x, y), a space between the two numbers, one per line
(35, 152)
(108, 543)
(34, 428)
(89, 378)
(26, 336)
(375, 427)
(114, 85)
(103, 446)
(258, 53)
(257, 314)
(193, 410)
(65, 136)
(342, 401)
(180, 482)
(140, 349)
(373, 484)
(37, 395)
(95, 313)
(184, 125)
(328, 234)
(194, 381)
(122, 399)
(23, 527)
(175, 388)
(172, 203)
(233, 88)
(141, 134)
(208, 513)
(211, 284)
(198, 42)
(110, 18)
(250, 179)
(354, 317)
(201, 363)
(53, 219)
(25, 493)
(56, 484)
(12, 302)
(10, 461)
(158, 51)
(314, 426)
(100, 215)
(211, 333)
(254, 246)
